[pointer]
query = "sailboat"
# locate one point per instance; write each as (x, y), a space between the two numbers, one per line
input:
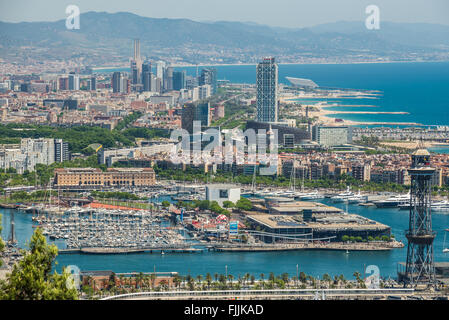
(445, 250)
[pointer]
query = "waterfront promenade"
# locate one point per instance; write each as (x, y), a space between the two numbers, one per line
(279, 294)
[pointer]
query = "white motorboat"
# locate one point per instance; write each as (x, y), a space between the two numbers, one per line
(315, 195)
(394, 201)
(341, 197)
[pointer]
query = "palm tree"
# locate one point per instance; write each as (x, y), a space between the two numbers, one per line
(208, 279)
(272, 278)
(230, 277)
(247, 275)
(153, 279)
(263, 282)
(284, 277)
(357, 277)
(199, 278)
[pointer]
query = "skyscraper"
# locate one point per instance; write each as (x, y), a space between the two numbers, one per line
(160, 70)
(136, 66)
(74, 81)
(93, 83)
(117, 82)
(61, 151)
(179, 80)
(267, 93)
(209, 76)
(146, 76)
(168, 79)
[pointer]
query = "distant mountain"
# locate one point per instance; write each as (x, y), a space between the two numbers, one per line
(108, 37)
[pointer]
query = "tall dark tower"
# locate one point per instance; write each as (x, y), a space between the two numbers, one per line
(420, 267)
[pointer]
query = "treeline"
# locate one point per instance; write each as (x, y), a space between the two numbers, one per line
(338, 183)
(115, 195)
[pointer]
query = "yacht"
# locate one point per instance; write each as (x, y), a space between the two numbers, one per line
(441, 206)
(393, 201)
(341, 197)
(357, 198)
(311, 196)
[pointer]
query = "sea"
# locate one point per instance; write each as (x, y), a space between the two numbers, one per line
(421, 89)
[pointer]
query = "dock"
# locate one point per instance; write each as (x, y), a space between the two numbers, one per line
(99, 250)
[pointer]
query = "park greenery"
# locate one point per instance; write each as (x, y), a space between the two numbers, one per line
(347, 238)
(338, 183)
(218, 281)
(80, 137)
(31, 277)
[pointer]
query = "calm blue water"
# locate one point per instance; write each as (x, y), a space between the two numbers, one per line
(442, 149)
(312, 262)
(418, 88)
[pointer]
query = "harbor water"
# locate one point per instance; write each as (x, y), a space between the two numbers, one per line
(311, 262)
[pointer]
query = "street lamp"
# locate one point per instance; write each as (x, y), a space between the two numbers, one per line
(226, 271)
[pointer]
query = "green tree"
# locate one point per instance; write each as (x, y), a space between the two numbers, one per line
(165, 204)
(31, 278)
(228, 204)
(244, 204)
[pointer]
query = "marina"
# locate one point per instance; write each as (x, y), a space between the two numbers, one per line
(264, 260)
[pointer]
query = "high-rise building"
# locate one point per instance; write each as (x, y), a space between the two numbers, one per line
(179, 80)
(209, 76)
(93, 83)
(61, 151)
(74, 81)
(136, 67)
(168, 79)
(204, 91)
(160, 70)
(146, 76)
(63, 83)
(195, 112)
(267, 90)
(117, 82)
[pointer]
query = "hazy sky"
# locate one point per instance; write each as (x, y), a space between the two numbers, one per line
(284, 13)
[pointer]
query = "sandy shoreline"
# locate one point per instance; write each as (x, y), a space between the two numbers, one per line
(320, 110)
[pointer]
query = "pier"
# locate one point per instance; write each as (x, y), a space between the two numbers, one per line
(100, 250)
